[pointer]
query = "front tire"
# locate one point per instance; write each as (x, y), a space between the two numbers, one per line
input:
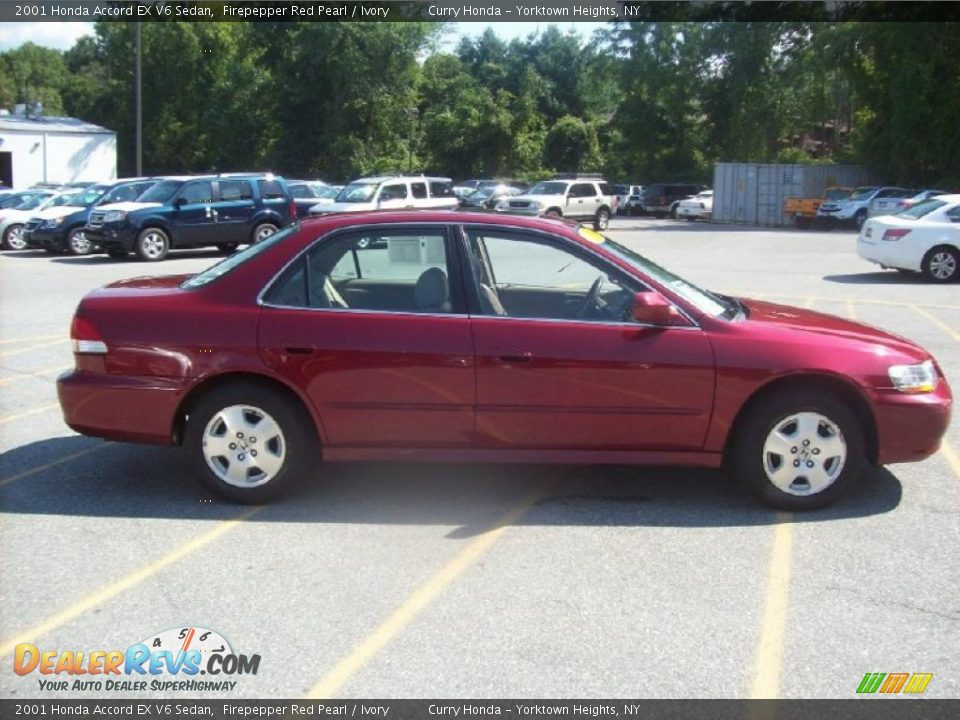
(860, 218)
(601, 220)
(941, 264)
(153, 244)
(249, 443)
(799, 450)
(263, 231)
(228, 248)
(117, 253)
(553, 213)
(13, 238)
(78, 243)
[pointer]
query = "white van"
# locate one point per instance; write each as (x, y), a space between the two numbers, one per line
(397, 192)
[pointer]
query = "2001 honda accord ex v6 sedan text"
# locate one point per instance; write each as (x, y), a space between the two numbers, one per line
(458, 336)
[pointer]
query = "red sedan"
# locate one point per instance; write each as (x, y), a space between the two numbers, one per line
(458, 336)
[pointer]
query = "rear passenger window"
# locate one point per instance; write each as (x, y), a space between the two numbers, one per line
(419, 190)
(235, 190)
(397, 271)
(393, 192)
(441, 189)
(270, 189)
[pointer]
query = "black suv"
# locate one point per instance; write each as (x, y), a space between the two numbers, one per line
(662, 198)
(221, 210)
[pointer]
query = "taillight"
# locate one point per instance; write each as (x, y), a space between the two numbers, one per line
(894, 234)
(86, 337)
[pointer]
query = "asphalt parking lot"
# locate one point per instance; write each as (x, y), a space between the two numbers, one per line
(438, 580)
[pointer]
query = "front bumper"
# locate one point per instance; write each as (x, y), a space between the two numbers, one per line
(50, 239)
(124, 408)
(911, 427)
(837, 214)
(112, 235)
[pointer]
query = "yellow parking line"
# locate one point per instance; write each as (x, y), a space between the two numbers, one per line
(768, 663)
(809, 302)
(859, 301)
(41, 468)
(937, 321)
(416, 602)
(38, 373)
(27, 413)
(951, 456)
(7, 341)
(851, 313)
(21, 351)
(111, 591)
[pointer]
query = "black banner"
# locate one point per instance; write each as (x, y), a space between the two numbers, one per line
(873, 708)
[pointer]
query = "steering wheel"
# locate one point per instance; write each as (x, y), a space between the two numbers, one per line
(592, 298)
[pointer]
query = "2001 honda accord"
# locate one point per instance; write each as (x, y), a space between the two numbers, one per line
(457, 336)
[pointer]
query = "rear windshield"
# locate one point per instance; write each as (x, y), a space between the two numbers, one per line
(238, 259)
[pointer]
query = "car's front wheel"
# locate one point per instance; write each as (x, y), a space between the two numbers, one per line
(860, 218)
(78, 243)
(601, 220)
(13, 238)
(799, 450)
(152, 244)
(249, 443)
(228, 248)
(941, 265)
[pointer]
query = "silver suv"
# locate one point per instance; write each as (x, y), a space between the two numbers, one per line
(392, 193)
(580, 199)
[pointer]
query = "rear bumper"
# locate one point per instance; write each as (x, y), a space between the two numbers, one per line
(911, 427)
(128, 409)
(893, 254)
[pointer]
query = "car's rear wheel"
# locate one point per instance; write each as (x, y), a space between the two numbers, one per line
(152, 245)
(227, 248)
(673, 212)
(249, 443)
(799, 450)
(13, 238)
(601, 220)
(552, 213)
(78, 243)
(263, 231)
(860, 218)
(941, 264)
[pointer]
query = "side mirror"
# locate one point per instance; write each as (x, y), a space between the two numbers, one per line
(179, 202)
(651, 308)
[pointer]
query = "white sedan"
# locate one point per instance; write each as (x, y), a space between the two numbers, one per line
(923, 238)
(699, 207)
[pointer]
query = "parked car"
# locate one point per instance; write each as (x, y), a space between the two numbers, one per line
(924, 238)
(804, 210)
(17, 198)
(856, 207)
(904, 203)
(483, 337)
(221, 210)
(624, 193)
(888, 202)
(393, 192)
(662, 199)
(488, 196)
(580, 199)
(635, 202)
(307, 193)
(13, 220)
(61, 228)
(467, 187)
(699, 207)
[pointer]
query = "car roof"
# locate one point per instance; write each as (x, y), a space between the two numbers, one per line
(433, 217)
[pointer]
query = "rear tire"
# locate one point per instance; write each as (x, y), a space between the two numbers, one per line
(552, 213)
(799, 449)
(13, 238)
(248, 443)
(601, 220)
(860, 218)
(941, 264)
(263, 231)
(153, 244)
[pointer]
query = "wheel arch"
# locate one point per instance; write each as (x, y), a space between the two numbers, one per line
(842, 387)
(243, 376)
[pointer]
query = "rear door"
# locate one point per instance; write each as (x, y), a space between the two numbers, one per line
(235, 207)
(581, 200)
(372, 325)
(394, 196)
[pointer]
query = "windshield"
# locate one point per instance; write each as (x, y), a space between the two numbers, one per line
(837, 194)
(482, 194)
(162, 192)
(325, 191)
(921, 208)
(32, 202)
(238, 259)
(69, 198)
(862, 193)
(548, 188)
(703, 300)
(90, 195)
(357, 192)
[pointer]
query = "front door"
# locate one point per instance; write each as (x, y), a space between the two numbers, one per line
(372, 325)
(195, 217)
(559, 365)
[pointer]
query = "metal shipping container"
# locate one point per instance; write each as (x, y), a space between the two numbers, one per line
(754, 193)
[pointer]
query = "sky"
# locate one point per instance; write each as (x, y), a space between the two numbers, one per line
(62, 36)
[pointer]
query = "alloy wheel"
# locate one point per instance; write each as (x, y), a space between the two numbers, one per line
(804, 453)
(244, 446)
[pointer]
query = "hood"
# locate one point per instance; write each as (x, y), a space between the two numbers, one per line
(333, 207)
(58, 212)
(129, 206)
(800, 320)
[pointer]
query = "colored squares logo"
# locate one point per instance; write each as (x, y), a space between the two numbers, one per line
(893, 683)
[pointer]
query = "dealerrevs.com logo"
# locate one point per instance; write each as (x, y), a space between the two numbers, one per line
(167, 661)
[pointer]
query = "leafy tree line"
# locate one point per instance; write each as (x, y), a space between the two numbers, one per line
(641, 101)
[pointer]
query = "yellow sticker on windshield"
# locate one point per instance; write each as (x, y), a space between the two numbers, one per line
(591, 235)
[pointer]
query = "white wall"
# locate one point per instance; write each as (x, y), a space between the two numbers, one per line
(60, 157)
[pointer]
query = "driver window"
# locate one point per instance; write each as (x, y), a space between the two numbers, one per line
(198, 192)
(526, 277)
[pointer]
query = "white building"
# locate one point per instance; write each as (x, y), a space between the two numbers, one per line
(54, 150)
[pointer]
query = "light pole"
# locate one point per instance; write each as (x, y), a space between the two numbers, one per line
(414, 114)
(139, 103)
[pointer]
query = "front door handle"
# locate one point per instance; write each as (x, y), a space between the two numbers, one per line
(518, 359)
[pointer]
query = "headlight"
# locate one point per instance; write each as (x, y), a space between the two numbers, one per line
(920, 378)
(53, 223)
(114, 216)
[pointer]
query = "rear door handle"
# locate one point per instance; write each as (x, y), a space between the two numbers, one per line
(518, 359)
(299, 350)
